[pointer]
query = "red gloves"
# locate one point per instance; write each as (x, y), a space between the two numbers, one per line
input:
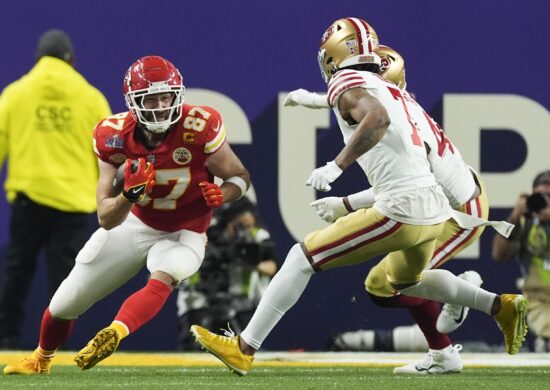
(212, 194)
(139, 179)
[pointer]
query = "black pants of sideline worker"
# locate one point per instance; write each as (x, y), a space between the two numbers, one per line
(35, 228)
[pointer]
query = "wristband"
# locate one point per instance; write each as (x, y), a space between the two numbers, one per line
(348, 207)
(239, 182)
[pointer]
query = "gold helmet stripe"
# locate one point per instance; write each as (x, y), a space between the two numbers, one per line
(363, 35)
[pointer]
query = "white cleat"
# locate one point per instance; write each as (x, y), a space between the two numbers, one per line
(445, 361)
(451, 316)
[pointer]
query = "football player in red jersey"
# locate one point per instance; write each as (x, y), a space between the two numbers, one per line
(160, 218)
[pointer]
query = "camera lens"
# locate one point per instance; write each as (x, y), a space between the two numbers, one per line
(536, 202)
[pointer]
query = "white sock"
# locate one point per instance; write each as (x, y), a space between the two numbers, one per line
(281, 294)
(442, 286)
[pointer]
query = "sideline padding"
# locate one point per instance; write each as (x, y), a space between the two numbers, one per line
(294, 359)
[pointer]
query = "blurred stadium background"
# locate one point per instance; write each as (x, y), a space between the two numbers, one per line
(480, 68)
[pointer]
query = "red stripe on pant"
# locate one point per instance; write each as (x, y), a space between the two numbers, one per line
(349, 237)
(361, 244)
(457, 235)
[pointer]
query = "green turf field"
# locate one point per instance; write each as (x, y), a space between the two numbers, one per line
(282, 370)
(340, 377)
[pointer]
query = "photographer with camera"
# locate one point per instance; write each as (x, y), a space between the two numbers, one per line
(239, 262)
(530, 244)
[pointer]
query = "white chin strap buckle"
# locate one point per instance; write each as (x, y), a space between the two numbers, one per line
(156, 128)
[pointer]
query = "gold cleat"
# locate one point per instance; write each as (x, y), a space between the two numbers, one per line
(104, 343)
(33, 365)
(511, 321)
(226, 348)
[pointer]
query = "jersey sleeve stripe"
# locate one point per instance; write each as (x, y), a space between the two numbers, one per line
(343, 73)
(96, 151)
(217, 142)
(343, 85)
(343, 89)
(341, 81)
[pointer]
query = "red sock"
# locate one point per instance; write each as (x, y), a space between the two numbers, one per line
(424, 312)
(53, 332)
(425, 316)
(143, 305)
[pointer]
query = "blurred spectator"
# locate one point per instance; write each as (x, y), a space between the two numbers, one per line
(239, 262)
(530, 244)
(46, 123)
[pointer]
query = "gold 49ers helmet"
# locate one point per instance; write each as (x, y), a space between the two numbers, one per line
(347, 42)
(392, 67)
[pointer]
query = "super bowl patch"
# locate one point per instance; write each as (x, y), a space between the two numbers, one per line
(352, 46)
(114, 142)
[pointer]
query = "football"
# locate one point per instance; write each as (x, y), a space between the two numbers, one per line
(118, 181)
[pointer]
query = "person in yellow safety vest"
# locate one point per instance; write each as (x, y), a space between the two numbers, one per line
(46, 123)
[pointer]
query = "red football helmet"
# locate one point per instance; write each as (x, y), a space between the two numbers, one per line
(148, 76)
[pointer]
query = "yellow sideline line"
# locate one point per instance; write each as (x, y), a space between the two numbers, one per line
(203, 359)
(184, 360)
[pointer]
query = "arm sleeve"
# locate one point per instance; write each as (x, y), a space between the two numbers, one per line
(362, 199)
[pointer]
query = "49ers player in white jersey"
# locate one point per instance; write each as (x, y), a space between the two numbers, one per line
(408, 215)
(160, 218)
(381, 132)
(464, 190)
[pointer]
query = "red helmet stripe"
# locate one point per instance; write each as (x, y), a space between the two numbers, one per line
(359, 35)
(367, 29)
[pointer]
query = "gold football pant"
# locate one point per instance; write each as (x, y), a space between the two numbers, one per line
(365, 234)
(452, 240)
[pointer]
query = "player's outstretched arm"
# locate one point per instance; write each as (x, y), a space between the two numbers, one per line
(227, 166)
(331, 208)
(111, 211)
(302, 97)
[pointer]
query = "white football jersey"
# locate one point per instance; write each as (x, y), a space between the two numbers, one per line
(448, 166)
(397, 167)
